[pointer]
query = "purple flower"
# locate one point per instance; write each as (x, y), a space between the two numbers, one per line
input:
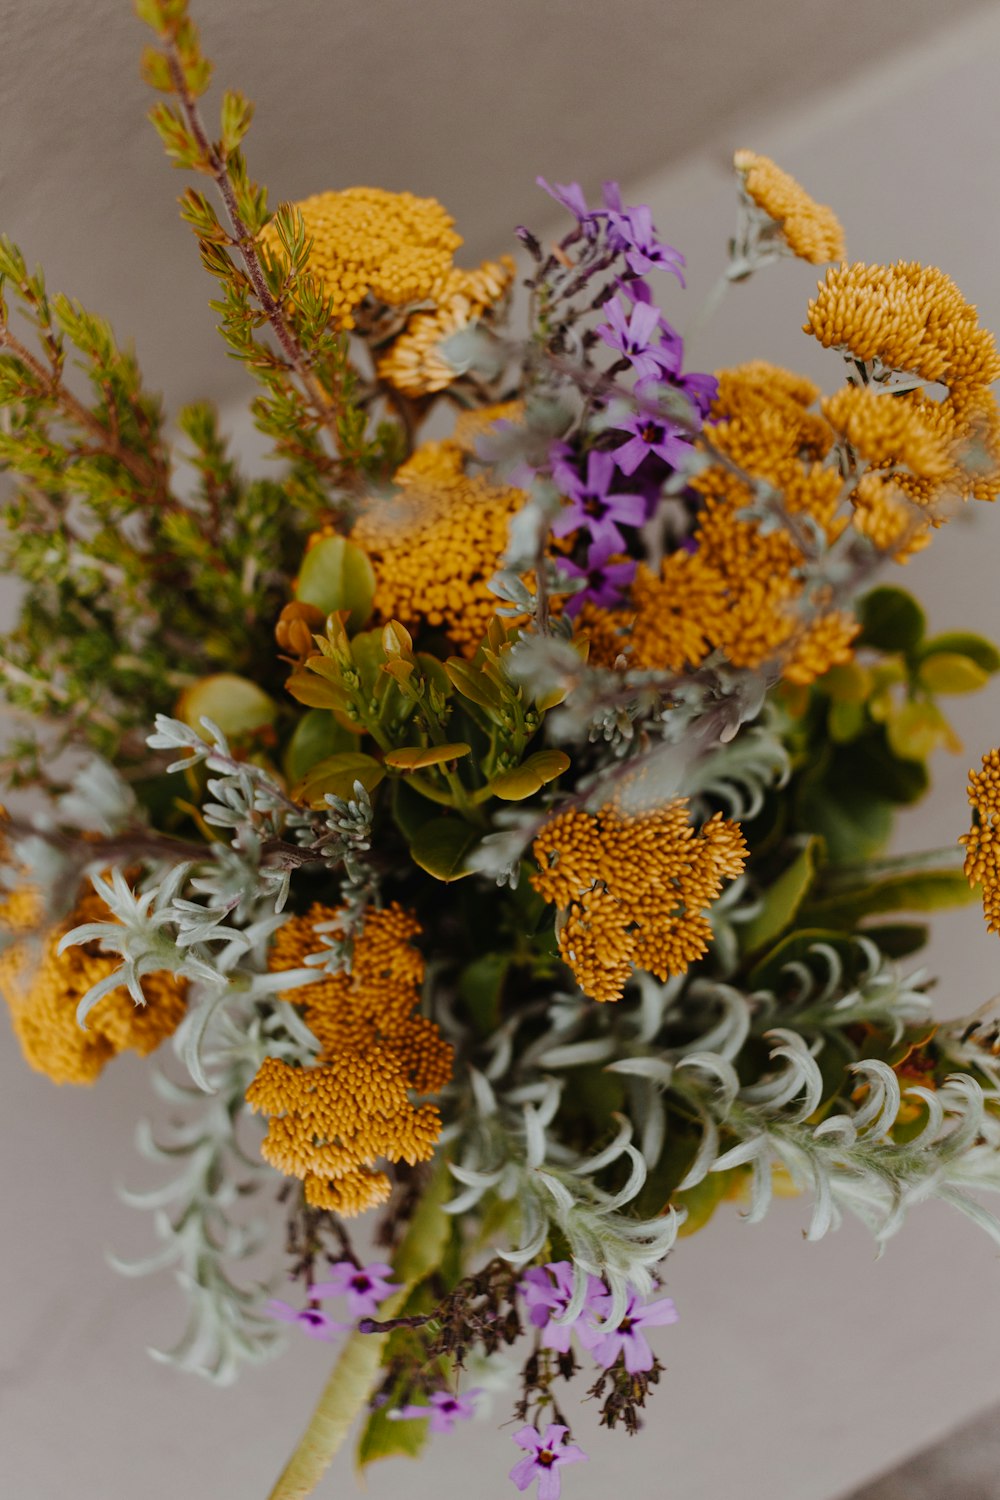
(650, 434)
(632, 335)
(312, 1320)
(605, 581)
(547, 1292)
(444, 1410)
(628, 1338)
(544, 1458)
(568, 195)
(363, 1286)
(591, 505)
(632, 231)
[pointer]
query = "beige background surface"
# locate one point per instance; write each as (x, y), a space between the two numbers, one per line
(797, 1371)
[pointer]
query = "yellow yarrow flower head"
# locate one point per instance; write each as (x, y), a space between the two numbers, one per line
(632, 889)
(811, 230)
(982, 842)
(910, 318)
(43, 988)
(414, 365)
(436, 545)
(330, 1124)
(394, 247)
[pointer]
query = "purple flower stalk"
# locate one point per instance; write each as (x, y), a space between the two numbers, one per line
(444, 1410)
(592, 506)
(312, 1320)
(545, 1456)
(547, 1292)
(363, 1286)
(628, 1339)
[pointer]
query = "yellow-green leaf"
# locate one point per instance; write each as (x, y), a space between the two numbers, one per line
(416, 757)
(950, 672)
(337, 575)
(315, 691)
(237, 705)
(530, 776)
(336, 775)
(783, 898)
(473, 684)
(317, 735)
(915, 730)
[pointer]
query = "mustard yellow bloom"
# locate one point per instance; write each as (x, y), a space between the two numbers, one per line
(811, 230)
(633, 889)
(436, 545)
(414, 364)
(396, 247)
(330, 1124)
(910, 317)
(43, 988)
(982, 842)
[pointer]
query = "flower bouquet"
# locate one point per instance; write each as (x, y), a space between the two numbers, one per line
(493, 821)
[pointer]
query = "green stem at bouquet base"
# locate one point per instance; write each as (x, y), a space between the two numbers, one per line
(353, 1376)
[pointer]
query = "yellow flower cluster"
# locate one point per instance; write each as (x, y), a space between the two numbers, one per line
(394, 246)
(912, 318)
(329, 1124)
(43, 988)
(414, 364)
(436, 546)
(633, 889)
(982, 842)
(738, 589)
(811, 230)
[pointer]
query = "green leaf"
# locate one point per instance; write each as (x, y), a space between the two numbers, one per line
(317, 736)
(982, 651)
(703, 1199)
(336, 574)
(473, 684)
(891, 620)
(915, 731)
(314, 690)
(854, 825)
(336, 775)
(441, 847)
(784, 897)
(899, 939)
(480, 985)
(766, 973)
(926, 890)
(384, 1436)
(410, 810)
(950, 672)
(530, 776)
(236, 704)
(417, 757)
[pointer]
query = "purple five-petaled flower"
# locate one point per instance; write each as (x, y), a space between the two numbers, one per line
(444, 1410)
(312, 1320)
(632, 232)
(592, 506)
(548, 1292)
(605, 582)
(547, 1452)
(363, 1286)
(628, 1339)
(632, 334)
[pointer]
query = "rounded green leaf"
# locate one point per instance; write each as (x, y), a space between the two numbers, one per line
(236, 704)
(336, 575)
(965, 643)
(416, 757)
(916, 730)
(336, 775)
(317, 736)
(530, 776)
(891, 620)
(950, 672)
(442, 846)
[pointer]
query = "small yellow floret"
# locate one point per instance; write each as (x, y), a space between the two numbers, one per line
(436, 545)
(811, 230)
(633, 888)
(331, 1123)
(43, 988)
(366, 241)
